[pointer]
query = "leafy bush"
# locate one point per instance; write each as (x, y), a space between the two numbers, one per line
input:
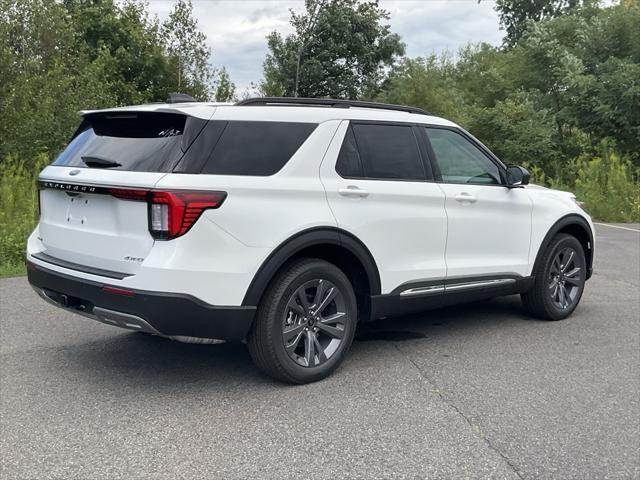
(609, 188)
(18, 211)
(608, 185)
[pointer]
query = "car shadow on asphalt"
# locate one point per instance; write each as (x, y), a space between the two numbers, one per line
(148, 361)
(465, 319)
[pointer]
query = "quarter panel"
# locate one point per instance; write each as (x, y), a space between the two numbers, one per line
(264, 211)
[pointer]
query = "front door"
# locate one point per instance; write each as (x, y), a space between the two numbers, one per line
(489, 225)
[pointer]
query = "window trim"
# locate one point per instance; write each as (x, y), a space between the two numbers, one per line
(476, 143)
(427, 170)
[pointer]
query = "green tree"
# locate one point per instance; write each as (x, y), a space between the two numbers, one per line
(41, 69)
(123, 41)
(517, 15)
(519, 131)
(339, 48)
(225, 88)
(485, 74)
(607, 103)
(59, 57)
(586, 66)
(188, 52)
(428, 83)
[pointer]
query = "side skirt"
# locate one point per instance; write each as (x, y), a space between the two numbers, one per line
(415, 297)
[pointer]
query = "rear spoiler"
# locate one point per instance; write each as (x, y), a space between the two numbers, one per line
(200, 110)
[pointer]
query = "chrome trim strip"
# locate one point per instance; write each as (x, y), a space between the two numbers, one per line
(482, 283)
(456, 286)
(422, 290)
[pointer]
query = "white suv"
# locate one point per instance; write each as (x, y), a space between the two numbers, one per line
(286, 221)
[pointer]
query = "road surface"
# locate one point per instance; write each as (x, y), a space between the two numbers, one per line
(478, 391)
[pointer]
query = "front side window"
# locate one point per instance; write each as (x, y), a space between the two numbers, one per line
(388, 152)
(460, 161)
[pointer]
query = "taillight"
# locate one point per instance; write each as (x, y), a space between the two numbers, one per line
(172, 213)
(129, 194)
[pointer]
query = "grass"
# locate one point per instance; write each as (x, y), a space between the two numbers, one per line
(11, 270)
(18, 212)
(608, 185)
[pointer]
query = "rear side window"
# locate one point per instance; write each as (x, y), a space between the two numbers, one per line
(349, 164)
(142, 142)
(256, 148)
(389, 152)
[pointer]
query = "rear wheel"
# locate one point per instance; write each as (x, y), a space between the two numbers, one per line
(305, 322)
(559, 280)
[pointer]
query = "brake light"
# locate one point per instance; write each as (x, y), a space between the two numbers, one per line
(172, 213)
(129, 194)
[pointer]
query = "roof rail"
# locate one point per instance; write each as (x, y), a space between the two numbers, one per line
(175, 97)
(327, 102)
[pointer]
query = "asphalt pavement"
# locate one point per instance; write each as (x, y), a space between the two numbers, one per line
(476, 391)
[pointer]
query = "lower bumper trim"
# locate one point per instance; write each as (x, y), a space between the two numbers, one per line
(165, 314)
(110, 317)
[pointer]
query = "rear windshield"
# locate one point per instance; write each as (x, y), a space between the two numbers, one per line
(142, 142)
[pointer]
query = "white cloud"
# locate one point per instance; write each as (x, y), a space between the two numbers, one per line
(236, 29)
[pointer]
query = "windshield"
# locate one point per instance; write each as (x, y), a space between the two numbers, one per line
(142, 142)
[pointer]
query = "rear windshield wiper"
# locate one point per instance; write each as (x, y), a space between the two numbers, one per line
(99, 162)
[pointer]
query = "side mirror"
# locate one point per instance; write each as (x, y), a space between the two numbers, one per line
(517, 176)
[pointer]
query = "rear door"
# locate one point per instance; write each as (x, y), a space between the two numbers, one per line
(87, 215)
(489, 225)
(379, 188)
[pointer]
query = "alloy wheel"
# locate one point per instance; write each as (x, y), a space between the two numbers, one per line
(565, 278)
(314, 323)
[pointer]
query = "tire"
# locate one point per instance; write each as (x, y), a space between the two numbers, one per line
(294, 341)
(559, 280)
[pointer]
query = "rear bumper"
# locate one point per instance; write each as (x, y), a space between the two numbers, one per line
(166, 314)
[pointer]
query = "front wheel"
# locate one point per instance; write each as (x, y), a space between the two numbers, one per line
(305, 323)
(559, 280)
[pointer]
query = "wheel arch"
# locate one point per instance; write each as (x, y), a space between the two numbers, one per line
(577, 226)
(334, 245)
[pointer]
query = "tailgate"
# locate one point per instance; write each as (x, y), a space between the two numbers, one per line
(82, 223)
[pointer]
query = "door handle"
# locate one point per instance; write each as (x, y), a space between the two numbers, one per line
(353, 191)
(465, 197)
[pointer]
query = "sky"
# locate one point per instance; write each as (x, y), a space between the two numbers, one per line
(236, 29)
